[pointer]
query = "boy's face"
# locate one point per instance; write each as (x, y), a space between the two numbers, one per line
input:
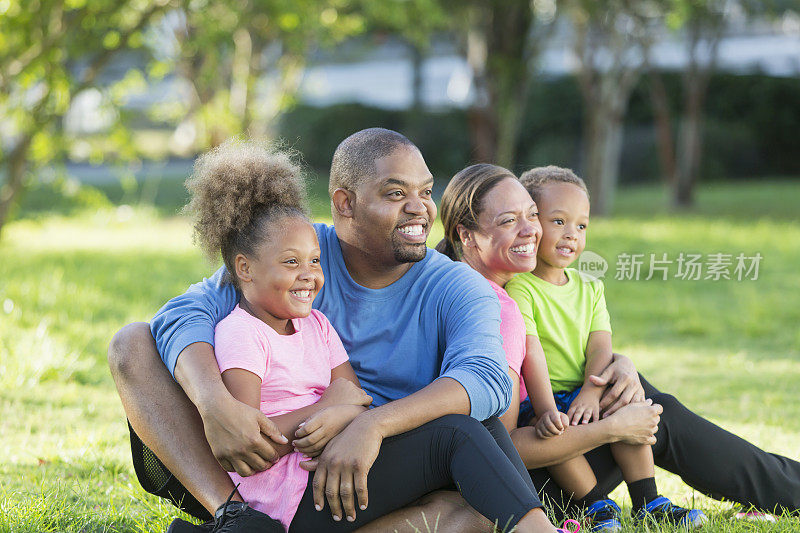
(564, 214)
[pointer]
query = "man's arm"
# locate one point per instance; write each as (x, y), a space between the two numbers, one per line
(192, 317)
(473, 381)
(341, 470)
(184, 333)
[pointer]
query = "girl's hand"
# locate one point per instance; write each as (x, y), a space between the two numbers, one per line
(322, 426)
(342, 391)
(586, 406)
(551, 424)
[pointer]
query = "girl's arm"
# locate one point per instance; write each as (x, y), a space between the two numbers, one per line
(343, 390)
(509, 418)
(246, 387)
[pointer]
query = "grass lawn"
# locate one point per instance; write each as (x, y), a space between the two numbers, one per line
(729, 349)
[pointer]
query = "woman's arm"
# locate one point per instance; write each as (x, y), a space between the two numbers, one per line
(636, 423)
(509, 418)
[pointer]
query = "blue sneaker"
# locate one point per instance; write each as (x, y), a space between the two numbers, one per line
(663, 510)
(604, 515)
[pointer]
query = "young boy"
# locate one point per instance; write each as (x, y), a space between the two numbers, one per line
(568, 315)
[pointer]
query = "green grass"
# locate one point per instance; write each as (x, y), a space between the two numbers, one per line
(729, 350)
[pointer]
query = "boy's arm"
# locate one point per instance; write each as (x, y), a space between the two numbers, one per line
(586, 406)
(549, 422)
(537, 377)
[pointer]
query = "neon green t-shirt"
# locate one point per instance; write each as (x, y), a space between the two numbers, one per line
(562, 316)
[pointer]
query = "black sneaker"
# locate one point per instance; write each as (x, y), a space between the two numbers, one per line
(239, 517)
(182, 526)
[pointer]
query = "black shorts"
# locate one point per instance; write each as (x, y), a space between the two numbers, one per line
(156, 479)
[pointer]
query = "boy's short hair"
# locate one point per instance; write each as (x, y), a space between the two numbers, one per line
(354, 158)
(536, 178)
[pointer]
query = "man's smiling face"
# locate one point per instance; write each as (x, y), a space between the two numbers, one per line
(394, 210)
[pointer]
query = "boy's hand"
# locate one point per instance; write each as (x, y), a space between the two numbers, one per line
(322, 426)
(586, 406)
(342, 391)
(551, 424)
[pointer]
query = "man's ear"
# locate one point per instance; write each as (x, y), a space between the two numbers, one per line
(343, 201)
(465, 236)
(242, 268)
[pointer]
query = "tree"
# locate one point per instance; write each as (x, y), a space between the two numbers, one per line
(501, 40)
(701, 25)
(243, 61)
(50, 51)
(608, 45)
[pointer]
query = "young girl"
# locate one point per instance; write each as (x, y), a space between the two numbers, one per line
(278, 354)
(568, 316)
(274, 352)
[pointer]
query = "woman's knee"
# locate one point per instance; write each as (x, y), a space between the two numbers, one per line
(129, 348)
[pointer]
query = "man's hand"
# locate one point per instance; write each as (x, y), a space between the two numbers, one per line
(242, 438)
(636, 423)
(586, 405)
(341, 470)
(322, 426)
(551, 424)
(342, 391)
(625, 385)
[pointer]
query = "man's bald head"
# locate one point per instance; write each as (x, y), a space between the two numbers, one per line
(354, 158)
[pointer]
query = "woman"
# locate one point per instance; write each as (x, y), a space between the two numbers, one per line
(491, 223)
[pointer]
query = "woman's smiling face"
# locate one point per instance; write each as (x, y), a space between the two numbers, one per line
(508, 230)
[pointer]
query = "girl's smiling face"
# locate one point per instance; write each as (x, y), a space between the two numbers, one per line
(507, 235)
(564, 215)
(285, 275)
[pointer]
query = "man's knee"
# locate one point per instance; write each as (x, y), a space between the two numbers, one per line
(463, 423)
(126, 349)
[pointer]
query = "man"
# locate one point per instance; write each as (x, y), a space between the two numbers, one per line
(422, 334)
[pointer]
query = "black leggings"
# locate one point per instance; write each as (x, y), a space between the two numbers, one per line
(454, 450)
(707, 458)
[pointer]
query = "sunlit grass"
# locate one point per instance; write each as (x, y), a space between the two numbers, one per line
(730, 350)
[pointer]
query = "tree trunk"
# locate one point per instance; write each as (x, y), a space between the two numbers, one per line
(690, 142)
(482, 125)
(663, 126)
(16, 164)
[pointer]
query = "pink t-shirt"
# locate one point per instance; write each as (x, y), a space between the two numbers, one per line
(295, 370)
(512, 328)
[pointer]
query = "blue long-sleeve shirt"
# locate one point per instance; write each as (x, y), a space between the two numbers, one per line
(440, 319)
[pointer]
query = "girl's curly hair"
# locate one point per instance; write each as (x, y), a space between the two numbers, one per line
(237, 189)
